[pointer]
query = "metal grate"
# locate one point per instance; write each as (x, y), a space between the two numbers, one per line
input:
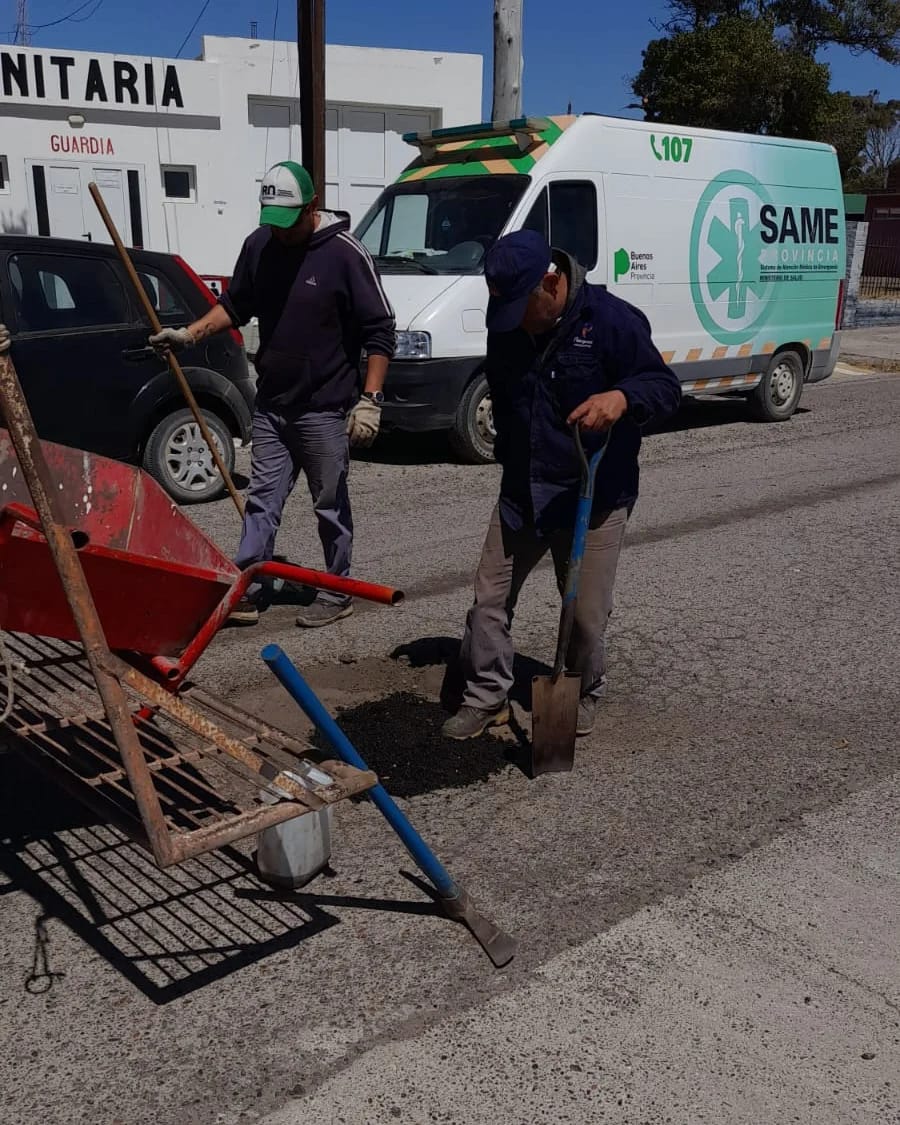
(208, 797)
(881, 272)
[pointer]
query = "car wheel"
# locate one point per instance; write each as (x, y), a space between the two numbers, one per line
(472, 434)
(177, 456)
(778, 395)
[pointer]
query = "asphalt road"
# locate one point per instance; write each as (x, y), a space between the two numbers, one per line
(750, 729)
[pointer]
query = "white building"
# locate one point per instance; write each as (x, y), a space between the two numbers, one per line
(178, 147)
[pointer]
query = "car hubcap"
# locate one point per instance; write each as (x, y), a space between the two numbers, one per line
(484, 421)
(784, 383)
(189, 460)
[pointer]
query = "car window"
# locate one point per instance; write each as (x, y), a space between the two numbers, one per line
(166, 300)
(61, 293)
(408, 224)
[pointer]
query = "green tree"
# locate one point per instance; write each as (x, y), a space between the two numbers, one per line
(751, 68)
(862, 26)
(732, 74)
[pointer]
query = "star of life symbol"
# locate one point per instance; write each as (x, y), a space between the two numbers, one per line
(730, 292)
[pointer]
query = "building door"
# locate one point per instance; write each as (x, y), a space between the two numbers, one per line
(274, 133)
(365, 151)
(112, 185)
(64, 206)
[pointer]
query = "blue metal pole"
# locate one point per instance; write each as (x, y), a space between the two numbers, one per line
(307, 700)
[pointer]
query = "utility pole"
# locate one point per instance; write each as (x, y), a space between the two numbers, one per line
(23, 31)
(507, 60)
(311, 45)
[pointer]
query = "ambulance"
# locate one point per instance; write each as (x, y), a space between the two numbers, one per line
(732, 245)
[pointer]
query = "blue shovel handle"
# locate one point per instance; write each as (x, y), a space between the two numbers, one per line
(579, 538)
(500, 947)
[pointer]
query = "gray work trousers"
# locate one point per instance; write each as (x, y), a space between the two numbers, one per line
(316, 444)
(508, 557)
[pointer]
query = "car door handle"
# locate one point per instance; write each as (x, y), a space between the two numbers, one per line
(138, 355)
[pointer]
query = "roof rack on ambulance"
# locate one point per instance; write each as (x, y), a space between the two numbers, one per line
(522, 130)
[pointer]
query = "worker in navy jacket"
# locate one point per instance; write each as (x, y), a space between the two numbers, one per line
(320, 304)
(560, 353)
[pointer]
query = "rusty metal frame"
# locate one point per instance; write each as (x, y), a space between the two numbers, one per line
(122, 732)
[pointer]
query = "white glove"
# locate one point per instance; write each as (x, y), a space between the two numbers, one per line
(4, 339)
(172, 339)
(363, 422)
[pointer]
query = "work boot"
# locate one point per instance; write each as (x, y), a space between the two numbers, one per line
(244, 613)
(587, 715)
(470, 722)
(319, 613)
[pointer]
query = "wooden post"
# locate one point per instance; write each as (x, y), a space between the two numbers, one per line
(311, 45)
(507, 60)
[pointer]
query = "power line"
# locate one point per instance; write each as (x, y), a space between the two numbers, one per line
(90, 14)
(23, 30)
(191, 32)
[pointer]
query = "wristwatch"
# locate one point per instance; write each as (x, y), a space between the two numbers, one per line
(374, 396)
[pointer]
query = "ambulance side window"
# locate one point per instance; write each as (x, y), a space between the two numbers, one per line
(573, 220)
(537, 217)
(566, 215)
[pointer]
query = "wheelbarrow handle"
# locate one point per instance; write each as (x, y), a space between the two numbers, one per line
(319, 580)
(589, 468)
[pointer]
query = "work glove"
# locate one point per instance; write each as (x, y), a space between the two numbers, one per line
(172, 340)
(363, 422)
(4, 339)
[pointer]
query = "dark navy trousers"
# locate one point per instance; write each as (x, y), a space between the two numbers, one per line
(314, 443)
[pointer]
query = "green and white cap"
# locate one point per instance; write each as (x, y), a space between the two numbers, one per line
(286, 189)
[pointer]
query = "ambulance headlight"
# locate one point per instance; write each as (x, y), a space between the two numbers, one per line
(413, 345)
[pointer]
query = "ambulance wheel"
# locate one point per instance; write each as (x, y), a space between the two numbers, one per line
(177, 456)
(778, 395)
(472, 434)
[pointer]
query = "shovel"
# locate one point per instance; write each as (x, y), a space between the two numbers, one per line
(554, 706)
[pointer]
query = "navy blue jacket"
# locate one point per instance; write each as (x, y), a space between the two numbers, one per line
(601, 343)
(318, 307)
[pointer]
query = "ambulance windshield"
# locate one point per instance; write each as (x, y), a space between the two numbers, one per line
(442, 225)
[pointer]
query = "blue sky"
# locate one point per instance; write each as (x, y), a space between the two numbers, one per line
(578, 50)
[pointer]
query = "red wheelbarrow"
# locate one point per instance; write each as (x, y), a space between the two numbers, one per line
(162, 589)
(94, 552)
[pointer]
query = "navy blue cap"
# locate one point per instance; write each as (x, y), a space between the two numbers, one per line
(513, 269)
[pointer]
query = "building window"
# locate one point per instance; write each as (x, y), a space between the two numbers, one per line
(4, 175)
(180, 182)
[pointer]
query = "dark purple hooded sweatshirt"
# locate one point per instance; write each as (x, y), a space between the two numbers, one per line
(318, 307)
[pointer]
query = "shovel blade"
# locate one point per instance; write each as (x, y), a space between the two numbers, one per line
(554, 717)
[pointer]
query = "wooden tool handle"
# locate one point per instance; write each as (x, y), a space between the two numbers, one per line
(173, 362)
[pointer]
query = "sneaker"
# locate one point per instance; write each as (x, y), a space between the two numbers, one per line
(470, 722)
(244, 613)
(319, 613)
(587, 715)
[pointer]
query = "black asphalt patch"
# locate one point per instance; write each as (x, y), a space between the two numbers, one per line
(400, 739)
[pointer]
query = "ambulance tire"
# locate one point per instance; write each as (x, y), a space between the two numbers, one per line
(778, 395)
(472, 433)
(178, 458)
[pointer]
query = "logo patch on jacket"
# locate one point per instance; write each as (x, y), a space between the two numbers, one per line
(585, 338)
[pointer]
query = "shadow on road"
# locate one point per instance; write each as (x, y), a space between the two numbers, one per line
(169, 933)
(429, 652)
